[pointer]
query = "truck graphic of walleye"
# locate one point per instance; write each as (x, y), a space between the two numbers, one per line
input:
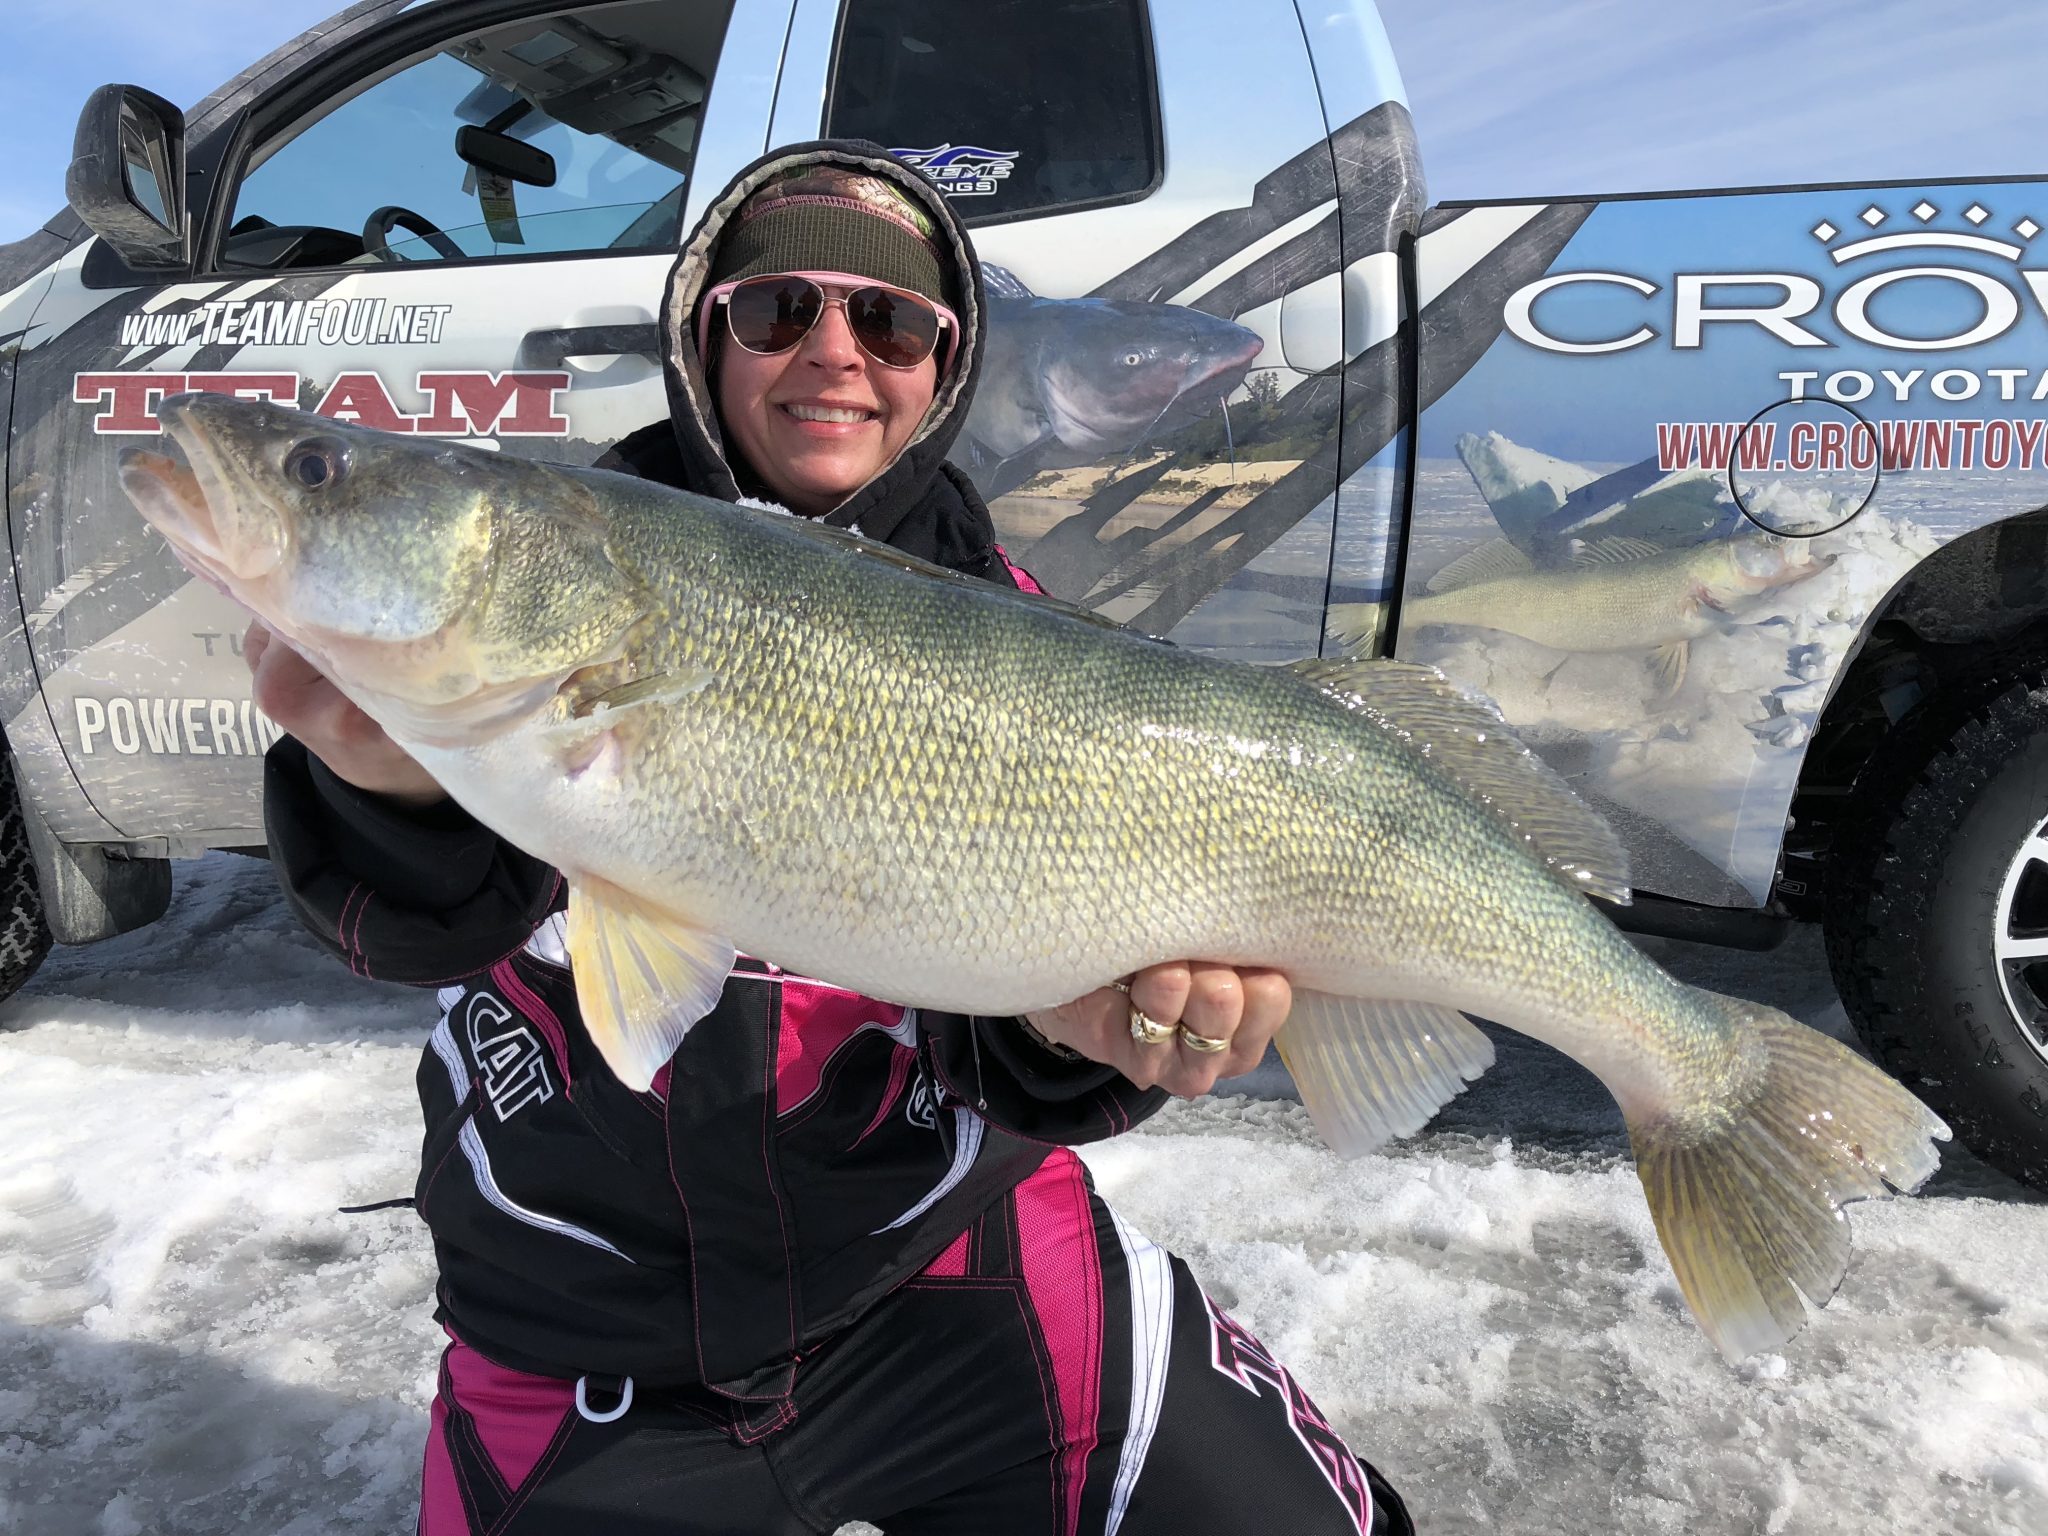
(1082, 381)
(1636, 561)
(1615, 595)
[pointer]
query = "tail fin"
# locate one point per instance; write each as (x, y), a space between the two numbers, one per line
(1748, 1207)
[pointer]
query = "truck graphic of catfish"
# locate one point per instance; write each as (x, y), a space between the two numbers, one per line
(1081, 381)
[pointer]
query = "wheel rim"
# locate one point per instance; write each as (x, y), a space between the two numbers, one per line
(2020, 940)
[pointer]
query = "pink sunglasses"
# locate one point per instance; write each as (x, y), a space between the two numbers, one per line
(771, 313)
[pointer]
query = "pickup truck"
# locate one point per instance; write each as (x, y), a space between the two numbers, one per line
(1736, 502)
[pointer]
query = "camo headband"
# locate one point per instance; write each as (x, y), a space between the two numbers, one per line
(830, 219)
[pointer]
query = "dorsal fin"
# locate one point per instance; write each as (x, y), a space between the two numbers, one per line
(1494, 560)
(1464, 737)
(1001, 283)
(1615, 551)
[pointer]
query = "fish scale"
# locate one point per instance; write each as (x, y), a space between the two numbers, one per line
(735, 728)
(967, 747)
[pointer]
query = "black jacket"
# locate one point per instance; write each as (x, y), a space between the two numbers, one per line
(806, 1150)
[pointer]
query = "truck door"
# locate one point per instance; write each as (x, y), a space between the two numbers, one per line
(440, 228)
(1681, 451)
(1144, 228)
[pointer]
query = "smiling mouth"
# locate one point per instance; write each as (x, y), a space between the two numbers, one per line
(838, 415)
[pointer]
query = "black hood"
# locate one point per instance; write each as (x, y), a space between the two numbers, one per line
(883, 502)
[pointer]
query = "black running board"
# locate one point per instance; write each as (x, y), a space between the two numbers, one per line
(1663, 917)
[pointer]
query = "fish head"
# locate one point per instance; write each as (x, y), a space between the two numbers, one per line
(445, 589)
(1113, 370)
(1760, 562)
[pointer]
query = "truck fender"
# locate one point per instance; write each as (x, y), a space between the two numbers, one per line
(91, 891)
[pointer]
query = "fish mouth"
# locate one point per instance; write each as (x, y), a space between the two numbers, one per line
(1232, 366)
(1790, 572)
(1205, 362)
(168, 495)
(1209, 383)
(166, 492)
(1211, 379)
(185, 496)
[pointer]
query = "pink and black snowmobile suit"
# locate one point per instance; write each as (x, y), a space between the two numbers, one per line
(839, 1263)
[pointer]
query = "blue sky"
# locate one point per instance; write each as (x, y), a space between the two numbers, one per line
(1512, 98)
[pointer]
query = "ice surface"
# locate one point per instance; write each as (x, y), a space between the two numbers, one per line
(1536, 482)
(192, 1340)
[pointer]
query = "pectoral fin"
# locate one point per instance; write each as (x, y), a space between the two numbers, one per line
(646, 691)
(1669, 663)
(643, 977)
(1370, 1069)
(589, 739)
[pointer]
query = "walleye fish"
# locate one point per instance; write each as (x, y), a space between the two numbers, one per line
(730, 728)
(1620, 595)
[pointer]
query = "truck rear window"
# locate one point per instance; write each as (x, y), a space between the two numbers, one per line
(1015, 107)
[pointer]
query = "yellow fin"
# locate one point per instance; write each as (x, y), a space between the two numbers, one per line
(643, 977)
(1751, 1209)
(1356, 629)
(1370, 1069)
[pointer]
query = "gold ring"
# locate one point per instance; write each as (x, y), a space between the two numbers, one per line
(1147, 1030)
(1121, 986)
(1208, 1045)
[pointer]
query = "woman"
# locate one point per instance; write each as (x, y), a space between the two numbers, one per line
(840, 1263)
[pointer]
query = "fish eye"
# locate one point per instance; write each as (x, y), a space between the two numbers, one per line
(1132, 359)
(316, 464)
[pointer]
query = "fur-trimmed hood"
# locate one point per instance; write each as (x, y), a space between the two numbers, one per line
(883, 502)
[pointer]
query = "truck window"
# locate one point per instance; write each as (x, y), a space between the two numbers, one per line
(562, 134)
(1015, 107)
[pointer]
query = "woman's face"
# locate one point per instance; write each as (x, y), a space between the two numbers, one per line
(821, 420)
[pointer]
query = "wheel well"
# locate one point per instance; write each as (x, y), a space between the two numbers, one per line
(1970, 614)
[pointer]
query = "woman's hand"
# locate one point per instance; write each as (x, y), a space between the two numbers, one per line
(1242, 1006)
(293, 693)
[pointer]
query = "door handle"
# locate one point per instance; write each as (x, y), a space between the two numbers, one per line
(552, 348)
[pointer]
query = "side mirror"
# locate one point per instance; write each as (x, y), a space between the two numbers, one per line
(505, 156)
(127, 176)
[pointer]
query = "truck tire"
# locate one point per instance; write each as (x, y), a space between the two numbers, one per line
(24, 934)
(1939, 870)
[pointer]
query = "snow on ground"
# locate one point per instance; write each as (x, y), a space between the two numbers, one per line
(193, 1340)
